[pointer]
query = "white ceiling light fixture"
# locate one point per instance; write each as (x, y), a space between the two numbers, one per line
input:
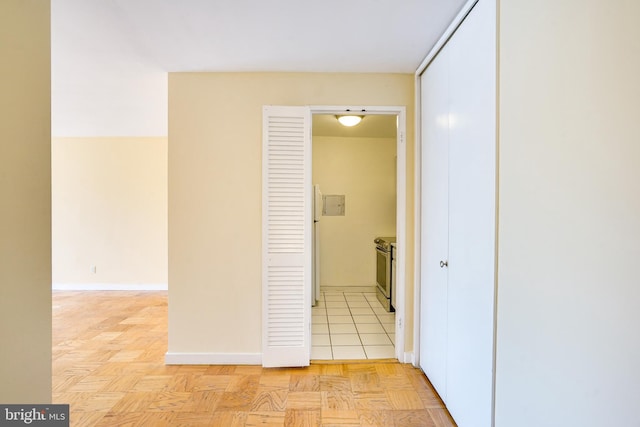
(349, 120)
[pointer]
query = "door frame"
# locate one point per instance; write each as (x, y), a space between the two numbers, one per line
(401, 207)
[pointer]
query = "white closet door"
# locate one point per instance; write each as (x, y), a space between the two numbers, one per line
(472, 186)
(434, 238)
(457, 305)
(286, 224)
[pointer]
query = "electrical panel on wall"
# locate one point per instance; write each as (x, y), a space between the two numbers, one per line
(332, 205)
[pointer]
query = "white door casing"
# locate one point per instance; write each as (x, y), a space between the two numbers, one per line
(401, 208)
(317, 214)
(287, 236)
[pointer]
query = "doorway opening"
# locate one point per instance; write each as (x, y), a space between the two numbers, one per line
(358, 176)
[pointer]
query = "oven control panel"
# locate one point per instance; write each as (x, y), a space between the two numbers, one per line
(384, 243)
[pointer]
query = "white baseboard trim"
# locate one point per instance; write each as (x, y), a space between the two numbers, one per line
(171, 358)
(109, 287)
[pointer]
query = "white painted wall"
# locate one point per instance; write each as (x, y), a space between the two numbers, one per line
(215, 196)
(109, 210)
(568, 344)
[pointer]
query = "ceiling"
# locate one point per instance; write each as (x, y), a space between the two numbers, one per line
(110, 58)
(371, 126)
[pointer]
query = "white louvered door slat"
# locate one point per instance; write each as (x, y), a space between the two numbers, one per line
(286, 224)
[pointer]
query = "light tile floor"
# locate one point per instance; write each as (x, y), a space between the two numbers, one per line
(350, 324)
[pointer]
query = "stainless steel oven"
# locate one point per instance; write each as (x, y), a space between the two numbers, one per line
(383, 271)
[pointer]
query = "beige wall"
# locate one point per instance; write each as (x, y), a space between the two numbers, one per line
(215, 139)
(25, 210)
(569, 215)
(109, 210)
(362, 169)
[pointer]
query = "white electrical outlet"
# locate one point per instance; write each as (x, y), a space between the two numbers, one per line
(93, 269)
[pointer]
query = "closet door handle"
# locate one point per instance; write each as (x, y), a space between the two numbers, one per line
(444, 264)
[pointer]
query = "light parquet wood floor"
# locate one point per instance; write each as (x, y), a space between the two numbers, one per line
(108, 364)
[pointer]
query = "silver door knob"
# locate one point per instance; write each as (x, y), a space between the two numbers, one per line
(444, 264)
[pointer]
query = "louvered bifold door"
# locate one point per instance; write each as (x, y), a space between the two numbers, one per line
(286, 241)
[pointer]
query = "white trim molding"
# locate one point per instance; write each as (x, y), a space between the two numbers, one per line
(109, 287)
(172, 358)
(401, 203)
(409, 357)
(464, 11)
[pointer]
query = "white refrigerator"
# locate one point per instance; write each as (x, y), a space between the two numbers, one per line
(317, 214)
